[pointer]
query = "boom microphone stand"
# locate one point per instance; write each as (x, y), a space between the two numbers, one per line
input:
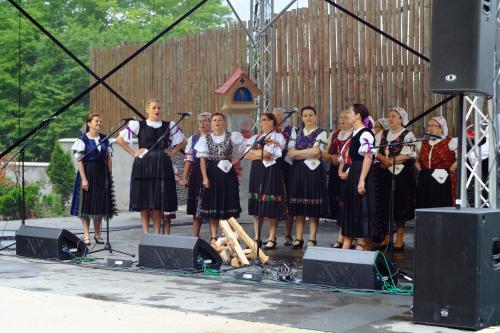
(261, 142)
(392, 147)
(21, 152)
(107, 245)
(158, 141)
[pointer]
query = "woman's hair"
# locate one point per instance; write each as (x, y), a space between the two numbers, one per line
(217, 114)
(270, 116)
(362, 110)
(307, 107)
(151, 101)
(90, 117)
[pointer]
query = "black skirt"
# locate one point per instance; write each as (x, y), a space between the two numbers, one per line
(153, 183)
(222, 199)
(404, 195)
(358, 216)
(99, 201)
(194, 187)
(334, 192)
(307, 191)
(430, 193)
(266, 190)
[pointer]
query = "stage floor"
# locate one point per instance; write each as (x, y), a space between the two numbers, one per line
(284, 304)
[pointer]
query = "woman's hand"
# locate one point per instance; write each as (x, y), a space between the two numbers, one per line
(334, 159)
(361, 187)
(206, 183)
(138, 152)
(292, 153)
(343, 175)
(183, 182)
(85, 184)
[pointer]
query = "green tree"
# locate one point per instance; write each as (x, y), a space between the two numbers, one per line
(61, 173)
(49, 78)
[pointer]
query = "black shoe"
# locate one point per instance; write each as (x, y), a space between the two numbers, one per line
(298, 244)
(312, 242)
(98, 240)
(337, 245)
(270, 244)
(288, 241)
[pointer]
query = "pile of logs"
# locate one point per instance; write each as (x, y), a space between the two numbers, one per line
(230, 249)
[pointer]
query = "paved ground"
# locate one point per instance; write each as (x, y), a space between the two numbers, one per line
(70, 294)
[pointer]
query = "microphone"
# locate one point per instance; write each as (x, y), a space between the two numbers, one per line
(48, 120)
(433, 135)
(128, 119)
(184, 114)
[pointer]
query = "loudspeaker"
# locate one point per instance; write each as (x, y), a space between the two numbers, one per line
(45, 243)
(463, 46)
(344, 268)
(457, 267)
(177, 252)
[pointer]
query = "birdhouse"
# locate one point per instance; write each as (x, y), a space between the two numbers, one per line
(239, 94)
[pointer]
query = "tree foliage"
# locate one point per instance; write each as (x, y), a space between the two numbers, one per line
(61, 172)
(48, 78)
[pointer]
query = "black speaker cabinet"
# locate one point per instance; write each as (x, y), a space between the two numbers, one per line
(176, 252)
(343, 268)
(457, 267)
(48, 243)
(463, 46)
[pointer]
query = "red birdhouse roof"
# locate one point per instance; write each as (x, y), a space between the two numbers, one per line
(238, 76)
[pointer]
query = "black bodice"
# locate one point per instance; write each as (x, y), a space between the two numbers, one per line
(149, 135)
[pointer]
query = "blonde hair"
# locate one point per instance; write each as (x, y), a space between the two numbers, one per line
(151, 101)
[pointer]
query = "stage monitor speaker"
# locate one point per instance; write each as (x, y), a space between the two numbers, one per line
(48, 243)
(463, 46)
(344, 268)
(177, 252)
(457, 267)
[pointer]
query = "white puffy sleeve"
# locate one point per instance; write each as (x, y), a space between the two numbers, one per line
(274, 145)
(249, 143)
(131, 129)
(409, 149)
(238, 143)
(453, 144)
(321, 141)
(189, 151)
(293, 139)
(201, 147)
(366, 141)
(78, 149)
(176, 134)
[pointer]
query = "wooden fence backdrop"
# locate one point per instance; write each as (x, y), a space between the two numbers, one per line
(323, 58)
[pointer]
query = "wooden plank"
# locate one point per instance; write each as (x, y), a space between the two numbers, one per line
(247, 239)
(231, 236)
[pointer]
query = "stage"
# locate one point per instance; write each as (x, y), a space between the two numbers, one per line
(272, 302)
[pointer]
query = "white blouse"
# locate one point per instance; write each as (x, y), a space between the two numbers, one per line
(343, 135)
(275, 143)
(321, 139)
(366, 141)
(78, 147)
(133, 127)
(391, 136)
(237, 141)
(452, 145)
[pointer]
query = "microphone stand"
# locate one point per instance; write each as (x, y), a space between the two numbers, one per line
(261, 142)
(21, 152)
(391, 147)
(107, 245)
(158, 141)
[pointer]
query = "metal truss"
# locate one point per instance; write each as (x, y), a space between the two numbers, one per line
(479, 172)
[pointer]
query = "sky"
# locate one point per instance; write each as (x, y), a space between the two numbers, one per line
(242, 7)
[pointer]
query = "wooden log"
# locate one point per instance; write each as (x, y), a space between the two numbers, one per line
(235, 263)
(234, 241)
(248, 241)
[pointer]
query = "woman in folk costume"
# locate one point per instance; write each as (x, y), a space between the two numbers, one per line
(220, 198)
(337, 140)
(266, 192)
(285, 163)
(152, 188)
(308, 192)
(437, 164)
(358, 218)
(403, 157)
(93, 195)
(192, 177)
